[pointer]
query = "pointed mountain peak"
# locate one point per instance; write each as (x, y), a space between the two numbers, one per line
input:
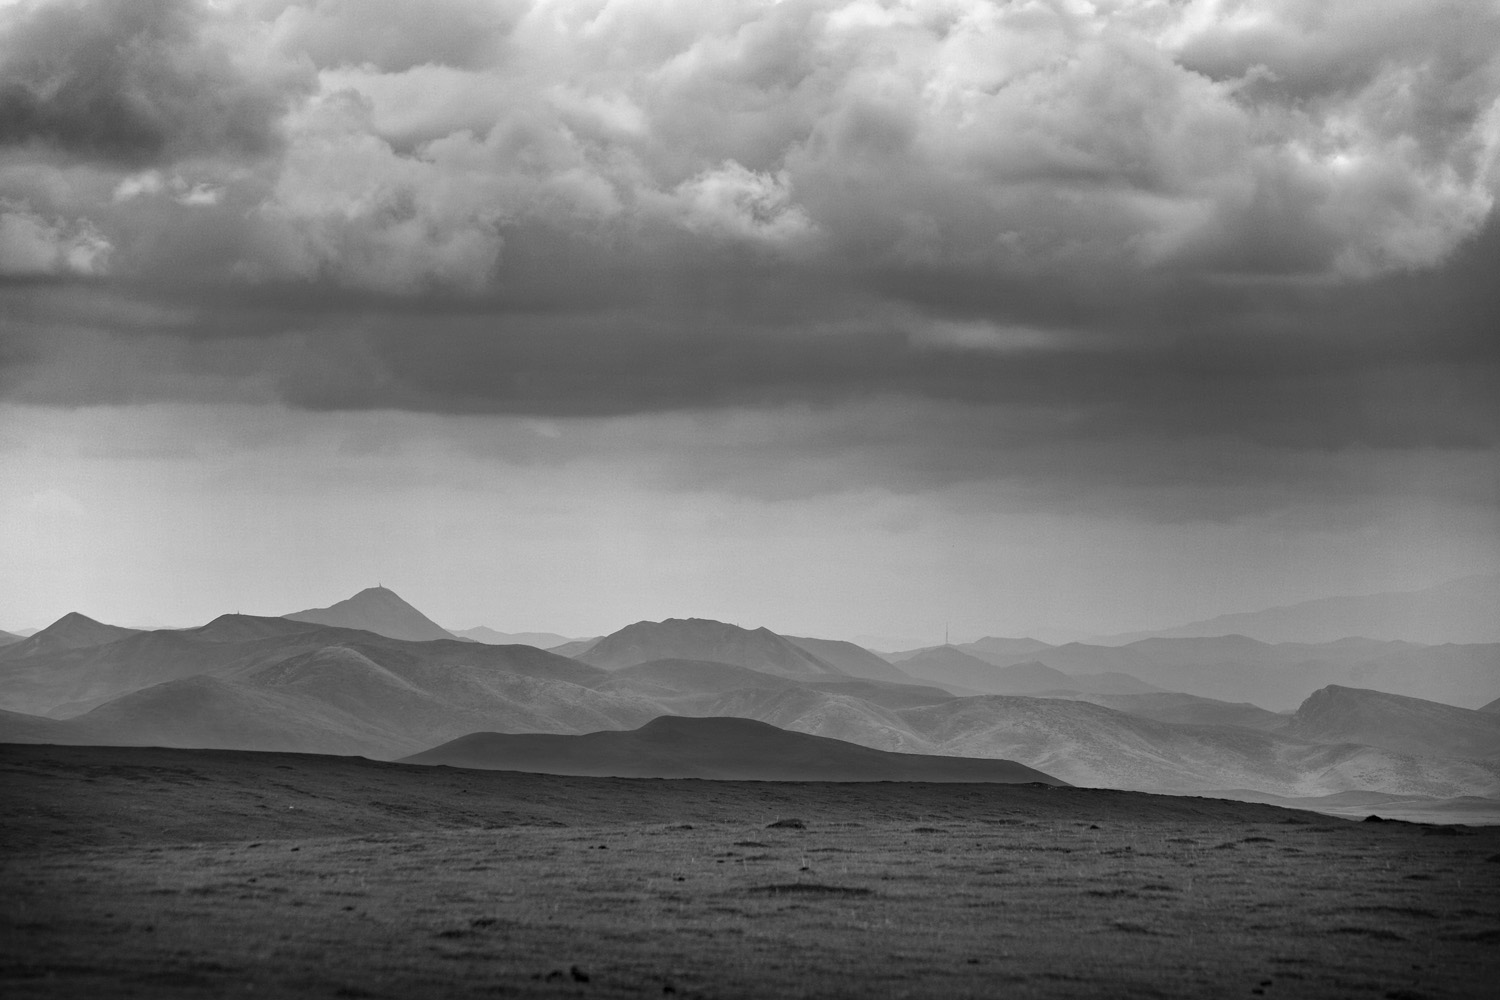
(72, 631)
(79, 625)
(376, 609)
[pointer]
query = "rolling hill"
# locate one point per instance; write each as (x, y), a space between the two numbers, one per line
(259, 683)
(71, 631)
(244, 682)
(1188, 709)
(725, 748)
(1406, 725)
(704, 639)
(856, 661)
(378, 610)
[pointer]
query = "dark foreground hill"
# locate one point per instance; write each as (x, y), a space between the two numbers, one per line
(187, 874)
(724, 748)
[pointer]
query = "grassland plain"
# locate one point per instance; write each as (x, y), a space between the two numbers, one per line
(180, 873)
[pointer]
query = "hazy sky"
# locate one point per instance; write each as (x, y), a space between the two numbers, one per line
(836, 317)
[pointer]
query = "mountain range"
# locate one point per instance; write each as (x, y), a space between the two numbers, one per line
(541, 640)
(285, 683)
(1232, 668)
(1461, 611)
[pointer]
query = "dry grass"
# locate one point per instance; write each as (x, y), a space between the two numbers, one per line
(488, 884)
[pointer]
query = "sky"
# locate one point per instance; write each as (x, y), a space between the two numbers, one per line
(841, 318)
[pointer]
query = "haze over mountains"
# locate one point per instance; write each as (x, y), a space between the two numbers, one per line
(1141, 716)
(1459, 611)
(1230, 668)
(482, 633)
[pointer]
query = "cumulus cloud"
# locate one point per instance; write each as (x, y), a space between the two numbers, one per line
(1248, 138)
(130, 83)
(1267, 221)
(32, 245)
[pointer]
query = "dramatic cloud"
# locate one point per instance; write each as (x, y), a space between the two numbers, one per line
(1161, 228)
(130, 84)
(1020, 139)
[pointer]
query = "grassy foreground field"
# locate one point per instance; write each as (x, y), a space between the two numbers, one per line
(182, 873)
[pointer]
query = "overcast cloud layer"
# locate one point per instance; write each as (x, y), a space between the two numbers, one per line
(1179, 261)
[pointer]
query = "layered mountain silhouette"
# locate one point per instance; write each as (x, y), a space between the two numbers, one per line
(378, 610)
(739, 749)
(1461, 611)
(1236, 668)
(963, 672)
(541, 640)
(267, 683)
(704, 639)
(7, 638)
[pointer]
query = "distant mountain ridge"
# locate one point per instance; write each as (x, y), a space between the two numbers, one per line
(1462, 611)
(269, 683)
(1337, 714)
(961, 671)
(725, 748)
(378, 610)
(1235, 668)
(856, 661)
(705, 639)
(541, 640)
(71, 631)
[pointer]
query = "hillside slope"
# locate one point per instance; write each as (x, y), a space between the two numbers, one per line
(379, 610)
(725, 748)
(1406, 725)
(705, 639)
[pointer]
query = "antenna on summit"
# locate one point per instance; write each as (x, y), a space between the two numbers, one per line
(945, 634)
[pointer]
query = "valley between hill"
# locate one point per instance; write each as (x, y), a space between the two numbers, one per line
(182, 873)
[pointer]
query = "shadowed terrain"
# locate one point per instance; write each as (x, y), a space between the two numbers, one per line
(173, 873)
(675, 747)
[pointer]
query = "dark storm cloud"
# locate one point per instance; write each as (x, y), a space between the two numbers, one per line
(1406, 361)
(133, 84)
(1069, 227)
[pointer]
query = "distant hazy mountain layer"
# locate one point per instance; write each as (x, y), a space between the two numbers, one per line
(1133, 716)
(273, 684)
